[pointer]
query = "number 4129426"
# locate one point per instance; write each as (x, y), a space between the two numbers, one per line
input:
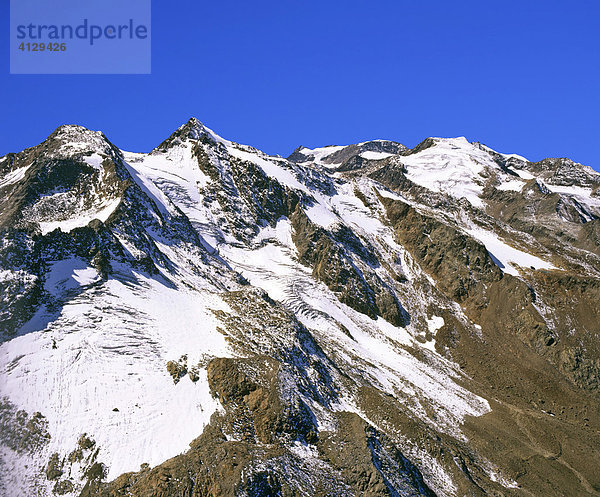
(42, 47)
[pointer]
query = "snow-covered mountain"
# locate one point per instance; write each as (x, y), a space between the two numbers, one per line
(370, 319)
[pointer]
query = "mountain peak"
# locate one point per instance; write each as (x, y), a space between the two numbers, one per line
(192, 130)
(73, 140)
(75, 132)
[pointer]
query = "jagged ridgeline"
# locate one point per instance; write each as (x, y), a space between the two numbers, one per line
(361, 320)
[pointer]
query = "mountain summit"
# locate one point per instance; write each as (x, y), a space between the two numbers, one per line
(369, 319)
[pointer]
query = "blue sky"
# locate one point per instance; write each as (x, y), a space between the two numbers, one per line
(521, 77)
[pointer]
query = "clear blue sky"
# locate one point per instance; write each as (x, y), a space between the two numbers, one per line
(519, 76)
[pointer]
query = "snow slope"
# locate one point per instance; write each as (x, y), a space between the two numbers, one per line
(452, 166)
(99, 367)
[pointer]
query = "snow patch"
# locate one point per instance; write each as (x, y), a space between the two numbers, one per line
(433, 324)
(513, 185)
(94, 160)
(321, 215)
(506, 256)
(69, 274)
(13, 177)
(82, 219)
(317, 155)
(371, 155)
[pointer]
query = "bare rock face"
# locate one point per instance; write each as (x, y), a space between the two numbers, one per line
(460, 263)
(327, 253)
(369, 462)
(360, 320)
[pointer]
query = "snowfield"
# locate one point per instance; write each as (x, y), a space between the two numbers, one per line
(100, 367)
